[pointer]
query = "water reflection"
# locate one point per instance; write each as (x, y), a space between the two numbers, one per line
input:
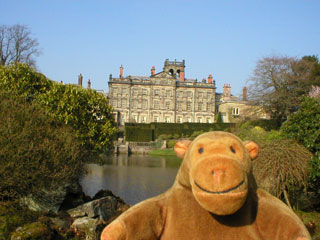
(133, 178)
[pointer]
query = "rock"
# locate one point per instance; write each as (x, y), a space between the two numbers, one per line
(86, 226)
(103, 208)
(33, 231)
(51, 201)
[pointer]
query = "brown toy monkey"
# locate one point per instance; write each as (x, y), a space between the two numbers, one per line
(213, 197)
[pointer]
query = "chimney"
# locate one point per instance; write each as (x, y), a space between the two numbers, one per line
(181, 74)
(80, 80)
(245, 94)
(121, 72)
(153, 71)
(89, 84)
(210, 78)
(227, 90)
(203, 80)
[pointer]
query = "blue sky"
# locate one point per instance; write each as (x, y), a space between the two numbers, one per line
(224, 38)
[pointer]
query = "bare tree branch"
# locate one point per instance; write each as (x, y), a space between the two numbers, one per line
(17, 45)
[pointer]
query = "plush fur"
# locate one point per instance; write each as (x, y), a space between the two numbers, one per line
(214, 197)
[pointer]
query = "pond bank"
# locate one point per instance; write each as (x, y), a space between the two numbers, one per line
(83, 221)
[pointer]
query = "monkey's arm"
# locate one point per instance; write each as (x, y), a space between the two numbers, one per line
(142, 221)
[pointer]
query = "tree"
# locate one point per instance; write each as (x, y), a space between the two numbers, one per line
(278, 83)
(17, 45)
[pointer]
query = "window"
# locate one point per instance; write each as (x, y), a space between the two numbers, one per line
(144, 104)
(200, 107)
(144, 91)
(123, 103)
(188, 106)
(235, 111)
(167, 105)
(179, 106)
(143, 119)
(168, 93)
(156, 105)
(155, 118)
(208, 107)
(200, 120)
(156, 92)
(188, 119)
(189, 94)
(135, 118)
(114, 102)
(179, 120)
(209, 120)
(135, 104)
(135, 92)
(168, 119)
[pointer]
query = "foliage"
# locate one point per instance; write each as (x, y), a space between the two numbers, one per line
(85, 110)
(171, 143)
(17, 45)
(247, 131)
(178, 130)
(141, 135)
(35, 152)
(304, 125)
(22, 80)
(282, 166)
(312, 222)
(12, 215)
(278, 83)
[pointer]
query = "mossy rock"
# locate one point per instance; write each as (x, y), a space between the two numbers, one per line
(33, 231)
(13, 216)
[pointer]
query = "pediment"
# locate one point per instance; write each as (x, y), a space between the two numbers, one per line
(163, 75)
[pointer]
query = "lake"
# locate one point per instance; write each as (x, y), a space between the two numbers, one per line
(133, 178)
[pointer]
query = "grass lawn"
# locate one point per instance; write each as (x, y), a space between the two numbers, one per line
(163, 152)
(308, 217)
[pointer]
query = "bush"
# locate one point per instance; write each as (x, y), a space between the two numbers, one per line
(282, 167)
(22, 80)
(304, 125)
(171, 143)
(35, 153)
(86, 111)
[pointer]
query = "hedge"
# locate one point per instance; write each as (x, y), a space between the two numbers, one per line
(134, 134)
(142, 132)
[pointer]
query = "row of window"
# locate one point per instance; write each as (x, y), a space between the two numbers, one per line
(156, 105)
(157, 92)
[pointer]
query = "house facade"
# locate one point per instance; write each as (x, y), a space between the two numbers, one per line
(169, 97)
(166, 96)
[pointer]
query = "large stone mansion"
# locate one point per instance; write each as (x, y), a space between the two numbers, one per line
(167, 96)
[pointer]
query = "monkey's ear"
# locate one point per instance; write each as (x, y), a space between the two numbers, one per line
(181, 147)
(252, 148)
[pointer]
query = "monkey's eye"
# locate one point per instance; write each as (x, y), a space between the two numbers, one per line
(232, 149)
(200, 150)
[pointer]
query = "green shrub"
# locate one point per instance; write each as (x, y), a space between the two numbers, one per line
(35, 152)
(22, 80)
(304, 125)
(86, 111)
(171, 143)
(138, 135)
